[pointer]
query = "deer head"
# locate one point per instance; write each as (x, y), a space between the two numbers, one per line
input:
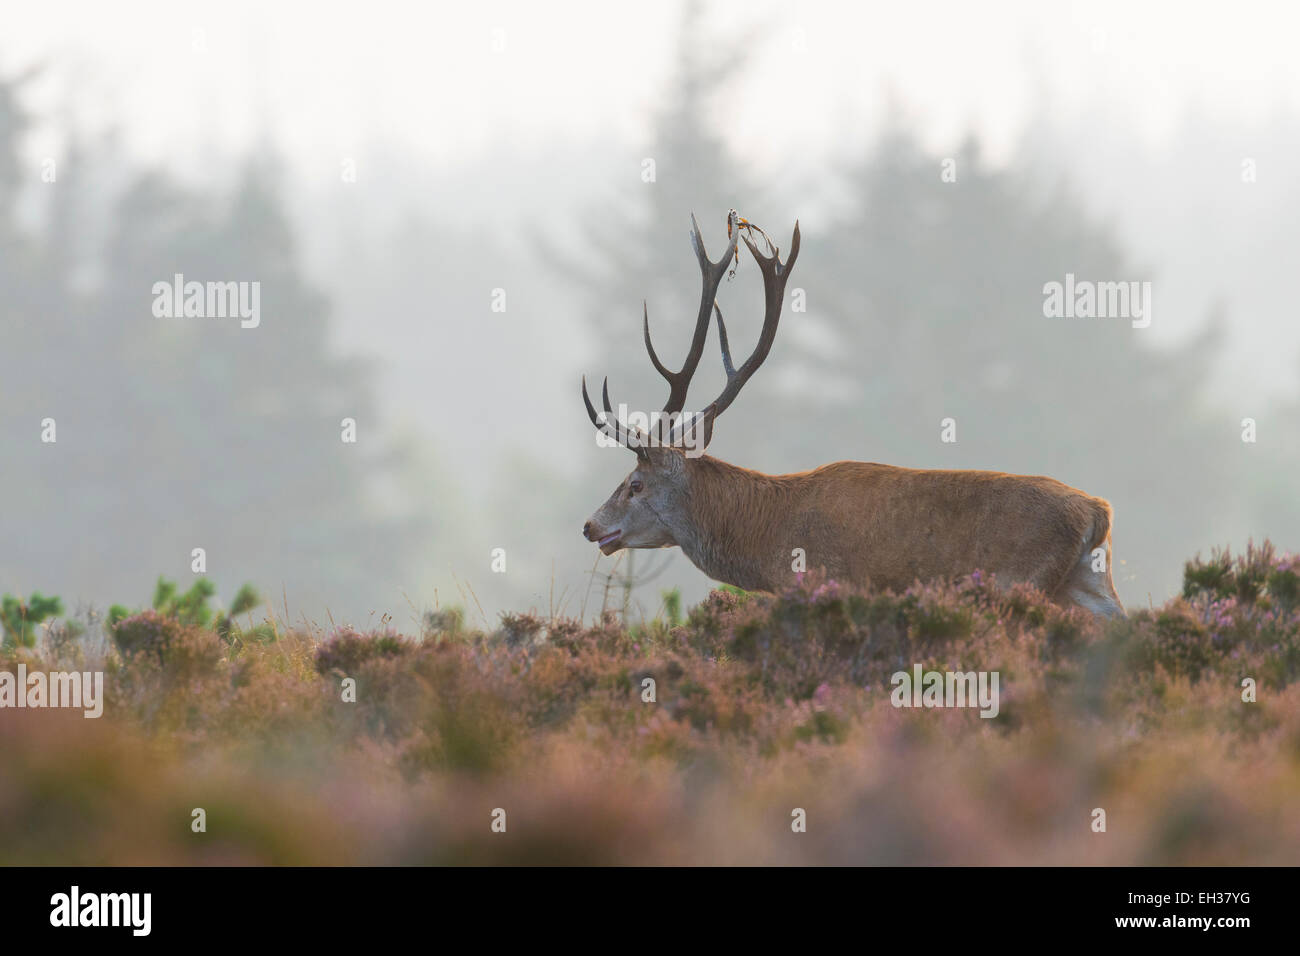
(649, 508)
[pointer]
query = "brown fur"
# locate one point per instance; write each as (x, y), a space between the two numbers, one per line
(868, 524)
(863, 523)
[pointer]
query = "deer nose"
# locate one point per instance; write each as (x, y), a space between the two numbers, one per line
(586, 530)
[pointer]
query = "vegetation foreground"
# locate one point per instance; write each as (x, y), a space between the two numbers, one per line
(762, 706)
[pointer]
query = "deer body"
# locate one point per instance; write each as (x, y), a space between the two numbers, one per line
(878, 525)
(863, 523)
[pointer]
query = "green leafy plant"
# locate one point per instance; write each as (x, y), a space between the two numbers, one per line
(1243, 576)
(190, 609)
(673, 606)
(19, 618)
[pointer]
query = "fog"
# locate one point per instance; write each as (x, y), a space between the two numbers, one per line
(452, 213)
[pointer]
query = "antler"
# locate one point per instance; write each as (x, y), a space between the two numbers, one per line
(712, 273)
(678, 382)
(608, 422)
(775, 275)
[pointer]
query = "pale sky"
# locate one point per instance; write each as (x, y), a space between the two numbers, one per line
(444, 90)
(449, 106)
(450, 79)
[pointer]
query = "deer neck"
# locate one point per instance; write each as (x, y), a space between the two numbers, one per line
(734, 522)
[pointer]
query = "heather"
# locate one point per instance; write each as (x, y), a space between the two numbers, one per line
(309, 744)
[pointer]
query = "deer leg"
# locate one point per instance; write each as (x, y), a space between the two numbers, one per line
(1092, 590)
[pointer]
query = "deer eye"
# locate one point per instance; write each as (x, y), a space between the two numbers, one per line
(634, 487)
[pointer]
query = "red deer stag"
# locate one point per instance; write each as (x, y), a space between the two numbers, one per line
(862, 522)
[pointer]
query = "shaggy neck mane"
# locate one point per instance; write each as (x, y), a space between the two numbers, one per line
(731, 509)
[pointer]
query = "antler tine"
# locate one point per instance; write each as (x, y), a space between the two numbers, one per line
(711, 275)
(775, 276)
(654, 359)
(722, 340)
(625, 435)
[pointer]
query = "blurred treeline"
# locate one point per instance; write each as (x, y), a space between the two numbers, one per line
(175, 434)
(924, 301)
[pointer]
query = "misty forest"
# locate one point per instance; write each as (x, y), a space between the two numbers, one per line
(385, 478)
